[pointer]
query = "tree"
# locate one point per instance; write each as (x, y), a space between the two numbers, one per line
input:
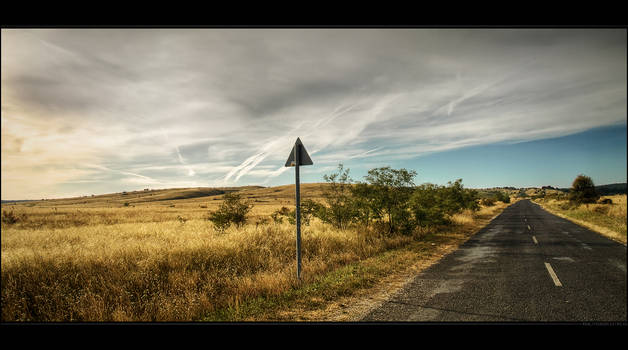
(339, 210)
(387, 192)
(583, 190)
(232, 211)
(363, 204)
(459, 198)
(428, 205)
(433, 205)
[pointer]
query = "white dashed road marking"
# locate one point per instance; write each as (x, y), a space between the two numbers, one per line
(553, 275)
(535, 241)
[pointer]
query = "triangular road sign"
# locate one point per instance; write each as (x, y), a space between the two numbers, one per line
(304, 158)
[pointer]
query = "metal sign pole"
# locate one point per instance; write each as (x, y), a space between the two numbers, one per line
(298, 156)
(298, 209)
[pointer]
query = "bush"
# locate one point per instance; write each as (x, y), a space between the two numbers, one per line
(309, 208)
(503, 197)
(232, 211)
(10, 218)
(386, 194)
(489, 198)
(340, 209)
(583, 190)
(428, 205)
(457, 198)
(433, 205)
(362, 204)
(278, 215)
(390, 200)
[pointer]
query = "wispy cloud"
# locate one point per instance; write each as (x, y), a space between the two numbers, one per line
(220, 106)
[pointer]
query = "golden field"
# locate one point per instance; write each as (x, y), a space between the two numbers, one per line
(159, 259)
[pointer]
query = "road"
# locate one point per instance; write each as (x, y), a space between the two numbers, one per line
(527, 265)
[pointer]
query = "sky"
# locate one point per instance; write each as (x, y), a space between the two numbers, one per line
(93, 111)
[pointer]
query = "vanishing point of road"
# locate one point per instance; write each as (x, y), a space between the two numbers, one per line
(527, 265)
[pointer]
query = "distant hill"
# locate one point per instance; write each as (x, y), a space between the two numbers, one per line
(606, 190)
(135, 197)
(611, 189)
(256, 193)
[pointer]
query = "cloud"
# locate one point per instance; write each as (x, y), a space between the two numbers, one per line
(222, 106)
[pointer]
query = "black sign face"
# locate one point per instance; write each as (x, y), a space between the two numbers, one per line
(304, 158)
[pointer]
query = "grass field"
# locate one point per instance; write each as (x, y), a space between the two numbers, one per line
(606, 219)
(158, 258)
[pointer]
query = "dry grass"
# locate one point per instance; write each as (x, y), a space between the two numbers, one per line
(67, 261)
(162, 271)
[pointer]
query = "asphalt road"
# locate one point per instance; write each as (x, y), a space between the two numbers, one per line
(527, 265)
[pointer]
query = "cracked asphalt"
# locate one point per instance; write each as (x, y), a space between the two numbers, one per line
(527, 265)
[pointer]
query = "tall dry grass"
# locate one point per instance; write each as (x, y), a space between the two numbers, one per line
(56, 217)
(163, 270)
(163, 263)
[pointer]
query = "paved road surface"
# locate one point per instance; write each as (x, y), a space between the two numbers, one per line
(526, 265)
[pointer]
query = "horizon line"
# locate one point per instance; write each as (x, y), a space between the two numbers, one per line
(302, 183)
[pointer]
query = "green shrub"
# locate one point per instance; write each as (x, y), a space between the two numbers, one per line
(232, 211)
(503, 197)
(361, 204)
(390, 201)
(387, 193)
(339, 209)
(309, 208)
(433, 205)
(428, 205)
(490, 197)
(458, 198)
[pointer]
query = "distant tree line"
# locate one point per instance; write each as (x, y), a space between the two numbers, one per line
(611, 189)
